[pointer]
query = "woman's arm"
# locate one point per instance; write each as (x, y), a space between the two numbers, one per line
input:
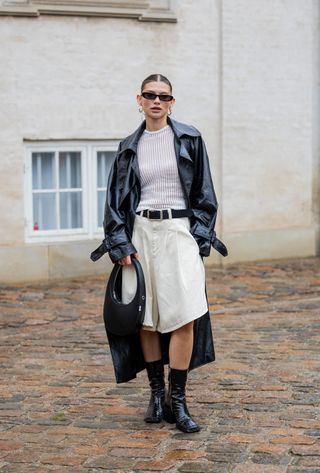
(204, 203)
(117, 240)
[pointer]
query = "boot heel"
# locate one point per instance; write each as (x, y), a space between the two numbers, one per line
(168, 415)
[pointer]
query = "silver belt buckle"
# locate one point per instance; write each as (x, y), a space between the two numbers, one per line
(161, 214)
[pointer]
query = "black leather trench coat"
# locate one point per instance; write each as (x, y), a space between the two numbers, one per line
(123, 196)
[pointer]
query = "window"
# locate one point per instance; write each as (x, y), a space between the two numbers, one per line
(65, 190)
(56, 190)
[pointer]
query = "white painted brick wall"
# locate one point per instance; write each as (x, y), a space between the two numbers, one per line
(243, 72)
(267, 114)
(69, 77)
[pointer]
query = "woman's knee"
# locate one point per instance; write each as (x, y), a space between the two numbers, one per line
(186, 329)
(149, 335)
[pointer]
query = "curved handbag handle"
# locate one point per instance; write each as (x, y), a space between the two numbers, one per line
(119, 318)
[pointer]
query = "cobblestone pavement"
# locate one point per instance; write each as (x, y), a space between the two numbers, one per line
(258, 403)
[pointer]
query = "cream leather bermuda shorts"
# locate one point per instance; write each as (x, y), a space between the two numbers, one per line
(174, 273)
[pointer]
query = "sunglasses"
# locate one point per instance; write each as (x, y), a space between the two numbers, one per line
(152, 96)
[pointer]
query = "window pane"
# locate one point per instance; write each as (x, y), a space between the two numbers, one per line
(101, 201)
(105, 159)
(70, 210)
(43, 176)
(44, 211)
(70, 170)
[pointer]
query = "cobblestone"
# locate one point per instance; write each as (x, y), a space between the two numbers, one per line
(258, 403)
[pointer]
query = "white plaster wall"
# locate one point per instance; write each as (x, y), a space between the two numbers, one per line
(316, 119)
(245, 72)
(75, 77)
(267, 114)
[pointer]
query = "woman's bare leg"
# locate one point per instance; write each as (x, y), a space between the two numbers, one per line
(181, 346)
(150, 342)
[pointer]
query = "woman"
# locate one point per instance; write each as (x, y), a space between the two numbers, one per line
(161, 208)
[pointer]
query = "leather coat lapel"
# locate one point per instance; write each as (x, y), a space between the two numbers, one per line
(183, 152)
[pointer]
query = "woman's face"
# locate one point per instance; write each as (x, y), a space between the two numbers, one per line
(155, 108)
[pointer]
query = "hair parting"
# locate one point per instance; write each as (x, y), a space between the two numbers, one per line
(156, 78)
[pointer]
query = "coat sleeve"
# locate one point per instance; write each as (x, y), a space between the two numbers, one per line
(117, 240)
(204, 203)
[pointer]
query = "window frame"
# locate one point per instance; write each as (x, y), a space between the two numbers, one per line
(110, 146)
(89, 186)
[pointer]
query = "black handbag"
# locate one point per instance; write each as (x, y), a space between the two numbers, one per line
(119, 318)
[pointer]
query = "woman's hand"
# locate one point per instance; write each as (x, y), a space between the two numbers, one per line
(126, 260)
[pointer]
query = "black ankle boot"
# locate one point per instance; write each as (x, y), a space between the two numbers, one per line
(155, 372)
(179, 410)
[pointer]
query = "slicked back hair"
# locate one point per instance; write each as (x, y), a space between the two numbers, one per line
(156, 78)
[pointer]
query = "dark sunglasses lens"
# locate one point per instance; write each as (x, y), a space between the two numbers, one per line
(151, 96)
(165, 98)
(148, 95)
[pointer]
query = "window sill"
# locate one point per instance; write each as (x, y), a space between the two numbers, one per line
(62, 238)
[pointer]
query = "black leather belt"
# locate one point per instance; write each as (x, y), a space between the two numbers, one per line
(163, 214)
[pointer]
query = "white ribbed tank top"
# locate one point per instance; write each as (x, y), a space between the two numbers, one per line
(160, 182)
